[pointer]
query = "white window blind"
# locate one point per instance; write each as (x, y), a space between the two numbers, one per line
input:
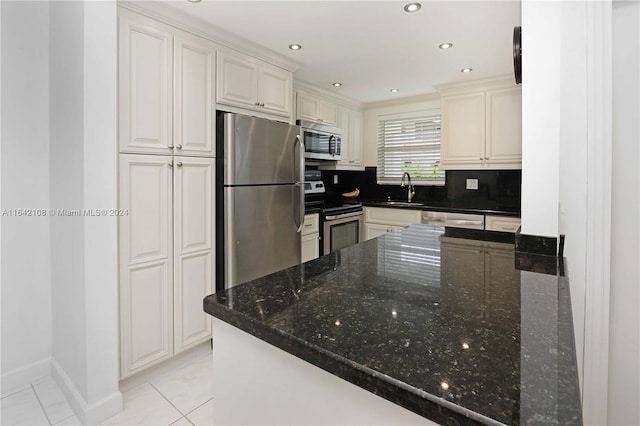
(410, 143)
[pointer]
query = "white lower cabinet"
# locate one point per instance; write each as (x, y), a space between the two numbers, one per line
(379, 220)
(166, 256)
(311, 237)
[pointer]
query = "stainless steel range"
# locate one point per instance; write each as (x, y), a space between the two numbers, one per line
(342, 221)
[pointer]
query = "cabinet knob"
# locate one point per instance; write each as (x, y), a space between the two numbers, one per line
(179, 146)
(179, 164)
(486, 158)
(170, 147)
(481, 158)
(170, 164)
(257, 103)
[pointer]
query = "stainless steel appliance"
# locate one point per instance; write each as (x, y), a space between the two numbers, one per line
(454, 220)
(343, 226)
(260, 195)
(321, 141)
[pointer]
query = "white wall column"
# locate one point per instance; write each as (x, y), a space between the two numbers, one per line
(84, 179)
(624, 347)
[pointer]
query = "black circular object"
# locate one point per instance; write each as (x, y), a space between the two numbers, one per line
(517, 54)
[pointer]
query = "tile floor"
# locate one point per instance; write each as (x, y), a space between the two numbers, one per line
(179, 396)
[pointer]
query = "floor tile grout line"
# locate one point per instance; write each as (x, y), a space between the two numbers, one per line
(16, 391)
(199, 406)
(171, 403)
(41, 406)
(66, 418)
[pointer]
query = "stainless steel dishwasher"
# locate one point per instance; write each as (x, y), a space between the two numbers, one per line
(455, 220)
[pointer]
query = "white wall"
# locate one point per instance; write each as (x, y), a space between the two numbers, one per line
(59, 274)
(26, 267)
(541, 101)
(624, 347)
(372, 111)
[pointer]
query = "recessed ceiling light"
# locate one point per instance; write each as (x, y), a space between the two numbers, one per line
(412, 7)
(336, 84)
(394, 90)
(295, 47)
(465, 70)
(446, 45)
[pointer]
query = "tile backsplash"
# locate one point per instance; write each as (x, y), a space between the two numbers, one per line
(497, 189)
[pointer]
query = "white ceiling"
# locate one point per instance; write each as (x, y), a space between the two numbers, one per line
(373, 46)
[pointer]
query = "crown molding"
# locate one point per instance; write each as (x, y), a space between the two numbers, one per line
(178, 19)
(303, 86)
(427, 97)
(498, 82)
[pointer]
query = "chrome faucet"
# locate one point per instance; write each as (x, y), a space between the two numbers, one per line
(411, 191)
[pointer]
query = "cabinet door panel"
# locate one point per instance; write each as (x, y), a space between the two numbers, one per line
(194, 78)
(275, 88)
(328, 113)
(463, 128)
(194, 279)
(194, 235)
(307, 107)
(148, 316)
(310, 247)
(355, 138)
(373, 230)
(146, 267)
(145, 73)
(504, 126)
(237, 81)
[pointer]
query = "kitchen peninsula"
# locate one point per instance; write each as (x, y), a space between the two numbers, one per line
(435, 328)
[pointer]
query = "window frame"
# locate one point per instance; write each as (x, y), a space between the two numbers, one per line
(408, 115)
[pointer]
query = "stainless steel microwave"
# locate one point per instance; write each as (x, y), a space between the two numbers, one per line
(321, 141)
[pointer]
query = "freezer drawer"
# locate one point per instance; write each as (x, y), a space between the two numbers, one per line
(260, 231)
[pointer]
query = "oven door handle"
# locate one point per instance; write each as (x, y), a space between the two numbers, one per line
(342, 216)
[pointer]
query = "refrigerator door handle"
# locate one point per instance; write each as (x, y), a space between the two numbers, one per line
(299, 205)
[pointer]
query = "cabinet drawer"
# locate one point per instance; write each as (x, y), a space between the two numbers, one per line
(398, 217)
(311, 224)
(502, 224)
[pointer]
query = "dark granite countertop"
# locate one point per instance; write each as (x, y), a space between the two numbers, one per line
(445, 327)
(447, 206)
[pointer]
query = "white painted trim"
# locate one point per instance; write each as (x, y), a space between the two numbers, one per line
(89, 414)
(25, 375)
(599, 157)
(428, 97)
(303, 86)
(201, 28)
(498, 82)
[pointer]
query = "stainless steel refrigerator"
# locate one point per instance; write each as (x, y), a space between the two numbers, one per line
(260, 195)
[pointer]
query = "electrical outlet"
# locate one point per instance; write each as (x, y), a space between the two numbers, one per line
(335, 179)
(472, 184)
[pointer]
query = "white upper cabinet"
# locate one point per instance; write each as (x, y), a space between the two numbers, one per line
(504, 126)
(166, 89)
(251, 84)
(315, 108)
(350, 122)
(193, 96)
(482, 128)
(145, 75)
(462, 131)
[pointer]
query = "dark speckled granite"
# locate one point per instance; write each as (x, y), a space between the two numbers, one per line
(403, 314)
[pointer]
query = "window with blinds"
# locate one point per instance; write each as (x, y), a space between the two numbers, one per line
(410, 142)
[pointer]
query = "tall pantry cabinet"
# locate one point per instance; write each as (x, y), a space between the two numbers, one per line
(166, 135)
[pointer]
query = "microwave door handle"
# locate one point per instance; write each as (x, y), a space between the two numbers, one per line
(298, 214)
(332, 152)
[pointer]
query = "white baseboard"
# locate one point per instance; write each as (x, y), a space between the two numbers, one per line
(24, 376)
(89, 414)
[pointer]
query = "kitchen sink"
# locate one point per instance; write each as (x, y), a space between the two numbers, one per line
(403, 203)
